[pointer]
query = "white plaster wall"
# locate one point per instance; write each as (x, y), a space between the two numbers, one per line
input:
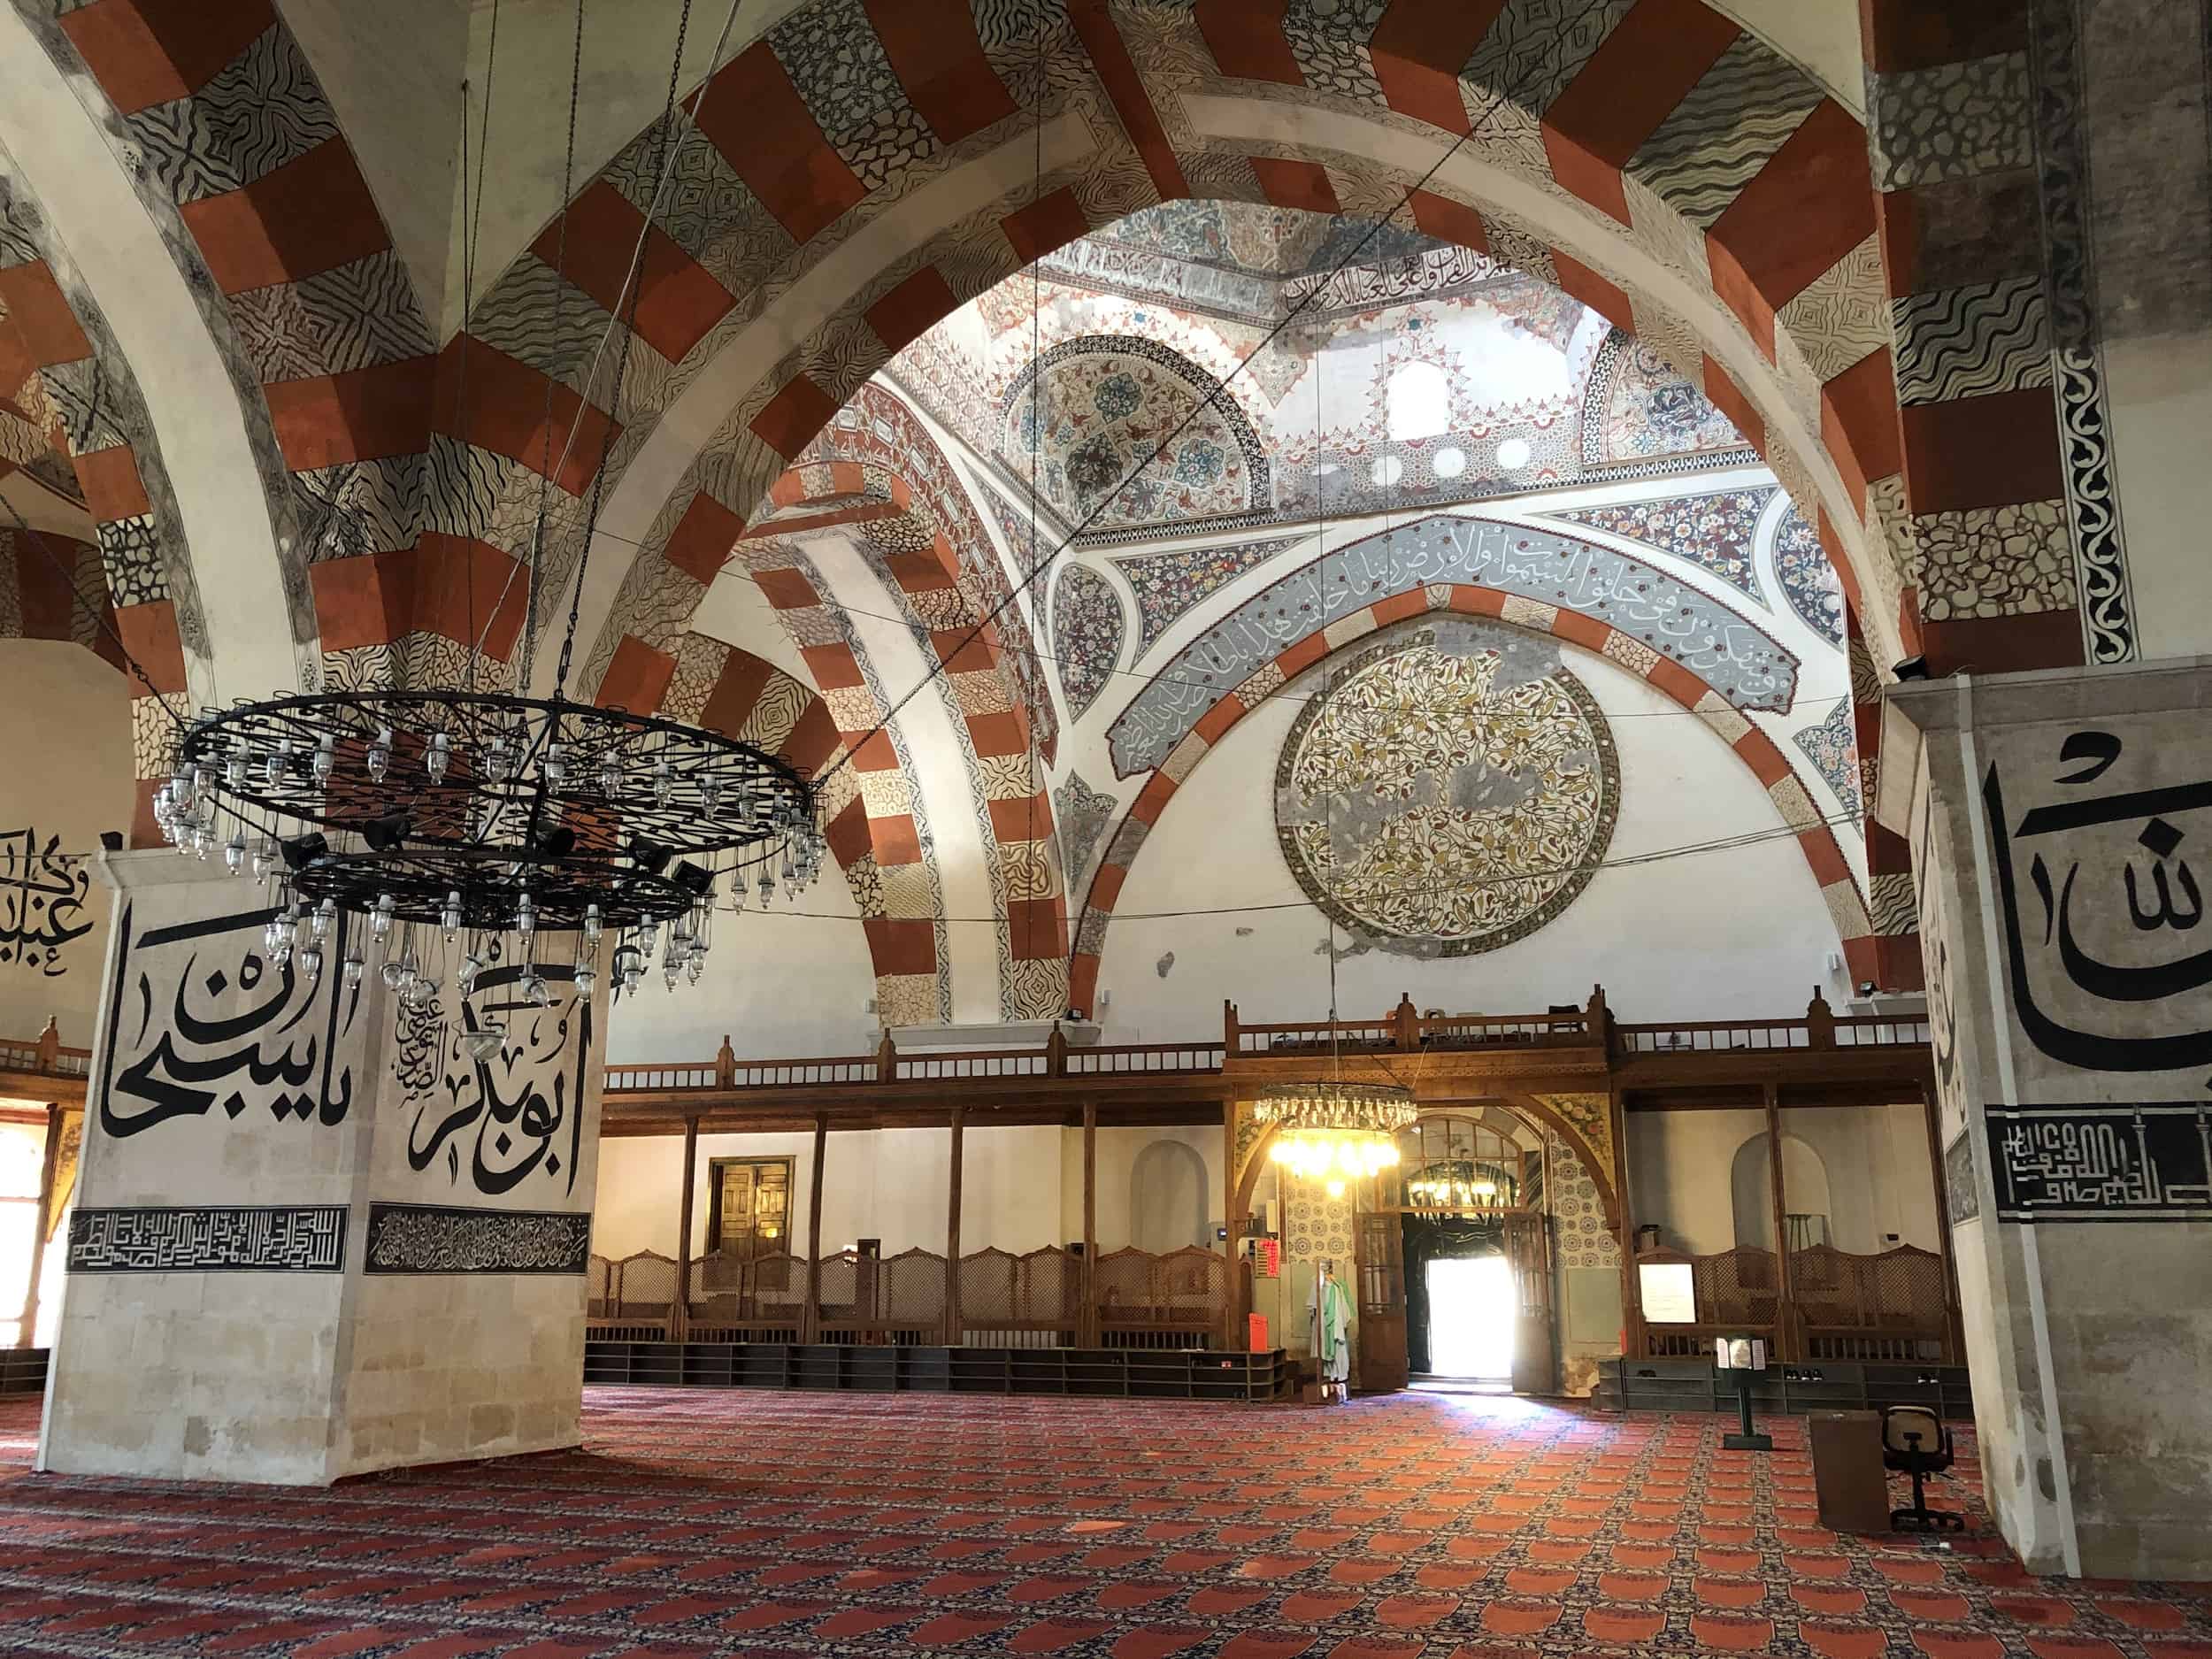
(790, 981)
(1875, 1157)
(1743, 931)
(64, 771)
(1021, 1186)
(1119, 1149)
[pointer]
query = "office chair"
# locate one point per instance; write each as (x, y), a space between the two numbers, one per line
(1915, 1441)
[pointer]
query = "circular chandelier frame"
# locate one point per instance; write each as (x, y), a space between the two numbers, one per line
(1333, 1107)
(468, 770)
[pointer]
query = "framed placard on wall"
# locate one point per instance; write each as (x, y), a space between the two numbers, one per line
(1669, 1292)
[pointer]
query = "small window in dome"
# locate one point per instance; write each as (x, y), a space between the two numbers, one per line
(1420, 402)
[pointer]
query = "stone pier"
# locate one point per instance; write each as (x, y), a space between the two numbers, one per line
(2061, 824)
(308, 1243)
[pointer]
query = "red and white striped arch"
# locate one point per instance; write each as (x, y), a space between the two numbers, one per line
(1750, 744)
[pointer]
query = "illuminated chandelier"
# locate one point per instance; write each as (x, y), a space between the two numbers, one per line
(1335, 1133)
(1455, 1184)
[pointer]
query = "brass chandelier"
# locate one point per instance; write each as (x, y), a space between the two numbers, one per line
(1335, 1133)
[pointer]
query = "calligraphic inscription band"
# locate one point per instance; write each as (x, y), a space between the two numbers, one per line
(455, 1239)
(203, 1017)
(210, 1239)
(42, 901)
(2149, 1161)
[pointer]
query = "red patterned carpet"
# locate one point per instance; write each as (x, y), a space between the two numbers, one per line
(795, 1525)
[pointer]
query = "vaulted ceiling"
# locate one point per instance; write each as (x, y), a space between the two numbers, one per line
(308, 355)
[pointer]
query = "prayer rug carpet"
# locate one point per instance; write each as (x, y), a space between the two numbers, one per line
(795, 1524)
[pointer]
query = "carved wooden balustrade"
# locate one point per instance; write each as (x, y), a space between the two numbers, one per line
(42, 1068)
(1042, 1298)
(1579, 1040)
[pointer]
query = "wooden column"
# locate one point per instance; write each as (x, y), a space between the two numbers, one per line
(811, 1319)
(1632, 1281)
(952, 1232)
(1237, 1300)
(1785, 1310)
(27, 1328)
(1087, 1336)
(1954, 1329)
(680, 1314)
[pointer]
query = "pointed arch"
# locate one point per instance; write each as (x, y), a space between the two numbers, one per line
(1194, 705)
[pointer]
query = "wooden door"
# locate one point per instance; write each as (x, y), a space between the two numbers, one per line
(1380, 1296)
(1535, 1365)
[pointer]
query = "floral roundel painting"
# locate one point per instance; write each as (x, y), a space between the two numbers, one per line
(1104, 419)
(1448, 791)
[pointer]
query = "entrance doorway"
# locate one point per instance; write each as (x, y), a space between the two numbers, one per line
(1473, 1308)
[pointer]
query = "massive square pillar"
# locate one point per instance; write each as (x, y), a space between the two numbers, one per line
(309, 1242)
(2061, 824)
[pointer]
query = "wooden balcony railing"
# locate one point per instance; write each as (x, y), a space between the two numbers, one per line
(1590, 1027)
(44, 1056)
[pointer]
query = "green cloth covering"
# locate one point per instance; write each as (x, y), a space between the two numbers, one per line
(1336, 1325)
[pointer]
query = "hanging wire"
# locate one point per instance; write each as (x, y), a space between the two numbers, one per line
(631, 283)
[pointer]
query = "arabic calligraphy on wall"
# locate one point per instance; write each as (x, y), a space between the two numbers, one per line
(447, 1238)
(199, 1018)
(2150, 1161)
(2098, 945)
(494, 1125)
(1739, 660)
(216, 1238)
(41, 902)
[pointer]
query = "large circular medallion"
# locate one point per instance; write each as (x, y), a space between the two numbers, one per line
(1448, 791)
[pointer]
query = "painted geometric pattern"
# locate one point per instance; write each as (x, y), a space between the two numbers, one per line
(1449, 792)
(1831, 748)
(1713, 532)
(878, 427)
(875, 119)
(1171, 585)
(1121, 433)
(1087, 636)
(1638, 408)
(1080, 814)
(1551, 572)
(1808, 579)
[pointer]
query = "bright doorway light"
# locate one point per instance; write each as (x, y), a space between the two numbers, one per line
(1472, 1313)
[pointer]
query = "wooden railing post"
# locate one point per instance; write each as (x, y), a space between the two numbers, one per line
(1597, 1019)
(886, 1060)
(1785, 1310)
(725, 1064)
(1057, 1051)
(1087, 1336)
(952, 1233)
(1820, 1022)
(810, 1318)
(1228, 1027)
(50, 1046)
(1408, 1019)
(680, 1313)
